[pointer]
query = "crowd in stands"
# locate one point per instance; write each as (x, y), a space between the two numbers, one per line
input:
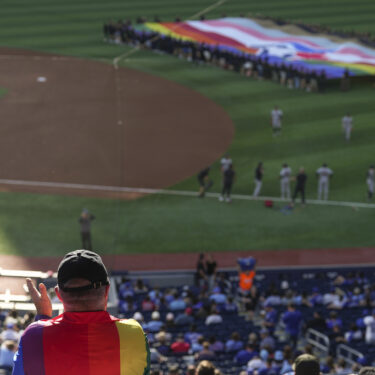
(12, 324)
(247, 64)
(259, 331)
(245, 323)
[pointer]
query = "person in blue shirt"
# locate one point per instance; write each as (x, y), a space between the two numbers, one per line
(271, 318)
(155, 324)
(234, 344)
(245, 355)
(177, 303)
(218, 297)
(292, 320)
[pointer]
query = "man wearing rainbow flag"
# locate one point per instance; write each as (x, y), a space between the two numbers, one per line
(85, 339)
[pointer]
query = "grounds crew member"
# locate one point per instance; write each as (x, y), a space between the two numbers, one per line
(85, 339)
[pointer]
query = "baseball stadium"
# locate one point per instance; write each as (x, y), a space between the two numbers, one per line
(218, 156)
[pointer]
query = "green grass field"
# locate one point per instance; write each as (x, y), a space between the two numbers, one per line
(47, 225)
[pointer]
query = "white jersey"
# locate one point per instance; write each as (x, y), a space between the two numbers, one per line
(371, 175)
(324, 173)
(285, 173)
(225, 163)
(276, 115)
(347, 122)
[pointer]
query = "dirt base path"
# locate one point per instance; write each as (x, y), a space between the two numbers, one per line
(154, 262)
(79, 121)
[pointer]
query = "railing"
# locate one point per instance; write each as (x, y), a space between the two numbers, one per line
(318, 340)
(350, 355)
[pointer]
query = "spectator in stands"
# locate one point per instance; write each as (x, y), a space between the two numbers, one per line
(234, 344)
(169, 320)
(306, 364)
(354, 334)
(139, 318)
(197, 346)
(177, 303)
(267, 341)
(155, 324)
(216, 345)
(162, 343)
(292, 320)
(245, 355)
(10, 333)
(230, 305)
(218, 297)
(268, 368)
(180, 346)
(205, 368)
(336, 337)
(270, 318)
(255, 363)
(140, 287)
(7, 350)
(84, 329)
(333, 320)
(192, 335)
(369, 322)
(156, 357)
(213, 318)
(317, 322)
(205, 353)
(185, 318)
(147, 304)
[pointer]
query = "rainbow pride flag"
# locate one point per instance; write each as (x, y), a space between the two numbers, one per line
(240, 35)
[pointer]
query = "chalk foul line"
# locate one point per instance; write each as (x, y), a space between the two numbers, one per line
(120, 189)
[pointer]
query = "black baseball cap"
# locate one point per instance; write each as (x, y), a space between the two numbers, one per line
(82, 264)
(306, 364)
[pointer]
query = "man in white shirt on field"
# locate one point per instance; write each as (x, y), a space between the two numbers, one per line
(370, 180)
(285, 174)
(347, 125)
(276, 116)
(324, 174)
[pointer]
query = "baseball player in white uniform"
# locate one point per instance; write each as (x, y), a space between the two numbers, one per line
(370, 181)
(324, 173)
(347, 125)
(276, 116)
(285, 175)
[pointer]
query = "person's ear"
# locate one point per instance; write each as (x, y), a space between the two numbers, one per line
(57, 291)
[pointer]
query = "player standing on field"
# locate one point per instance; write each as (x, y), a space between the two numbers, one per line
(258, 179)
(228, 179)
(276, 116)
(301, 179)
(324, 174)
(285, 174)
(225, 162)
(347, 125)
(370, 181)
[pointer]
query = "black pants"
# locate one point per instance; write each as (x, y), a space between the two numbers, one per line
(227, 187)
(86, 240)
(300, 189)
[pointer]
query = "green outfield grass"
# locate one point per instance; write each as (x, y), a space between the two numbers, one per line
(46, 225)
(42, 225)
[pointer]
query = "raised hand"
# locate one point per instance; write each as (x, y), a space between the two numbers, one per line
(40, 298)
